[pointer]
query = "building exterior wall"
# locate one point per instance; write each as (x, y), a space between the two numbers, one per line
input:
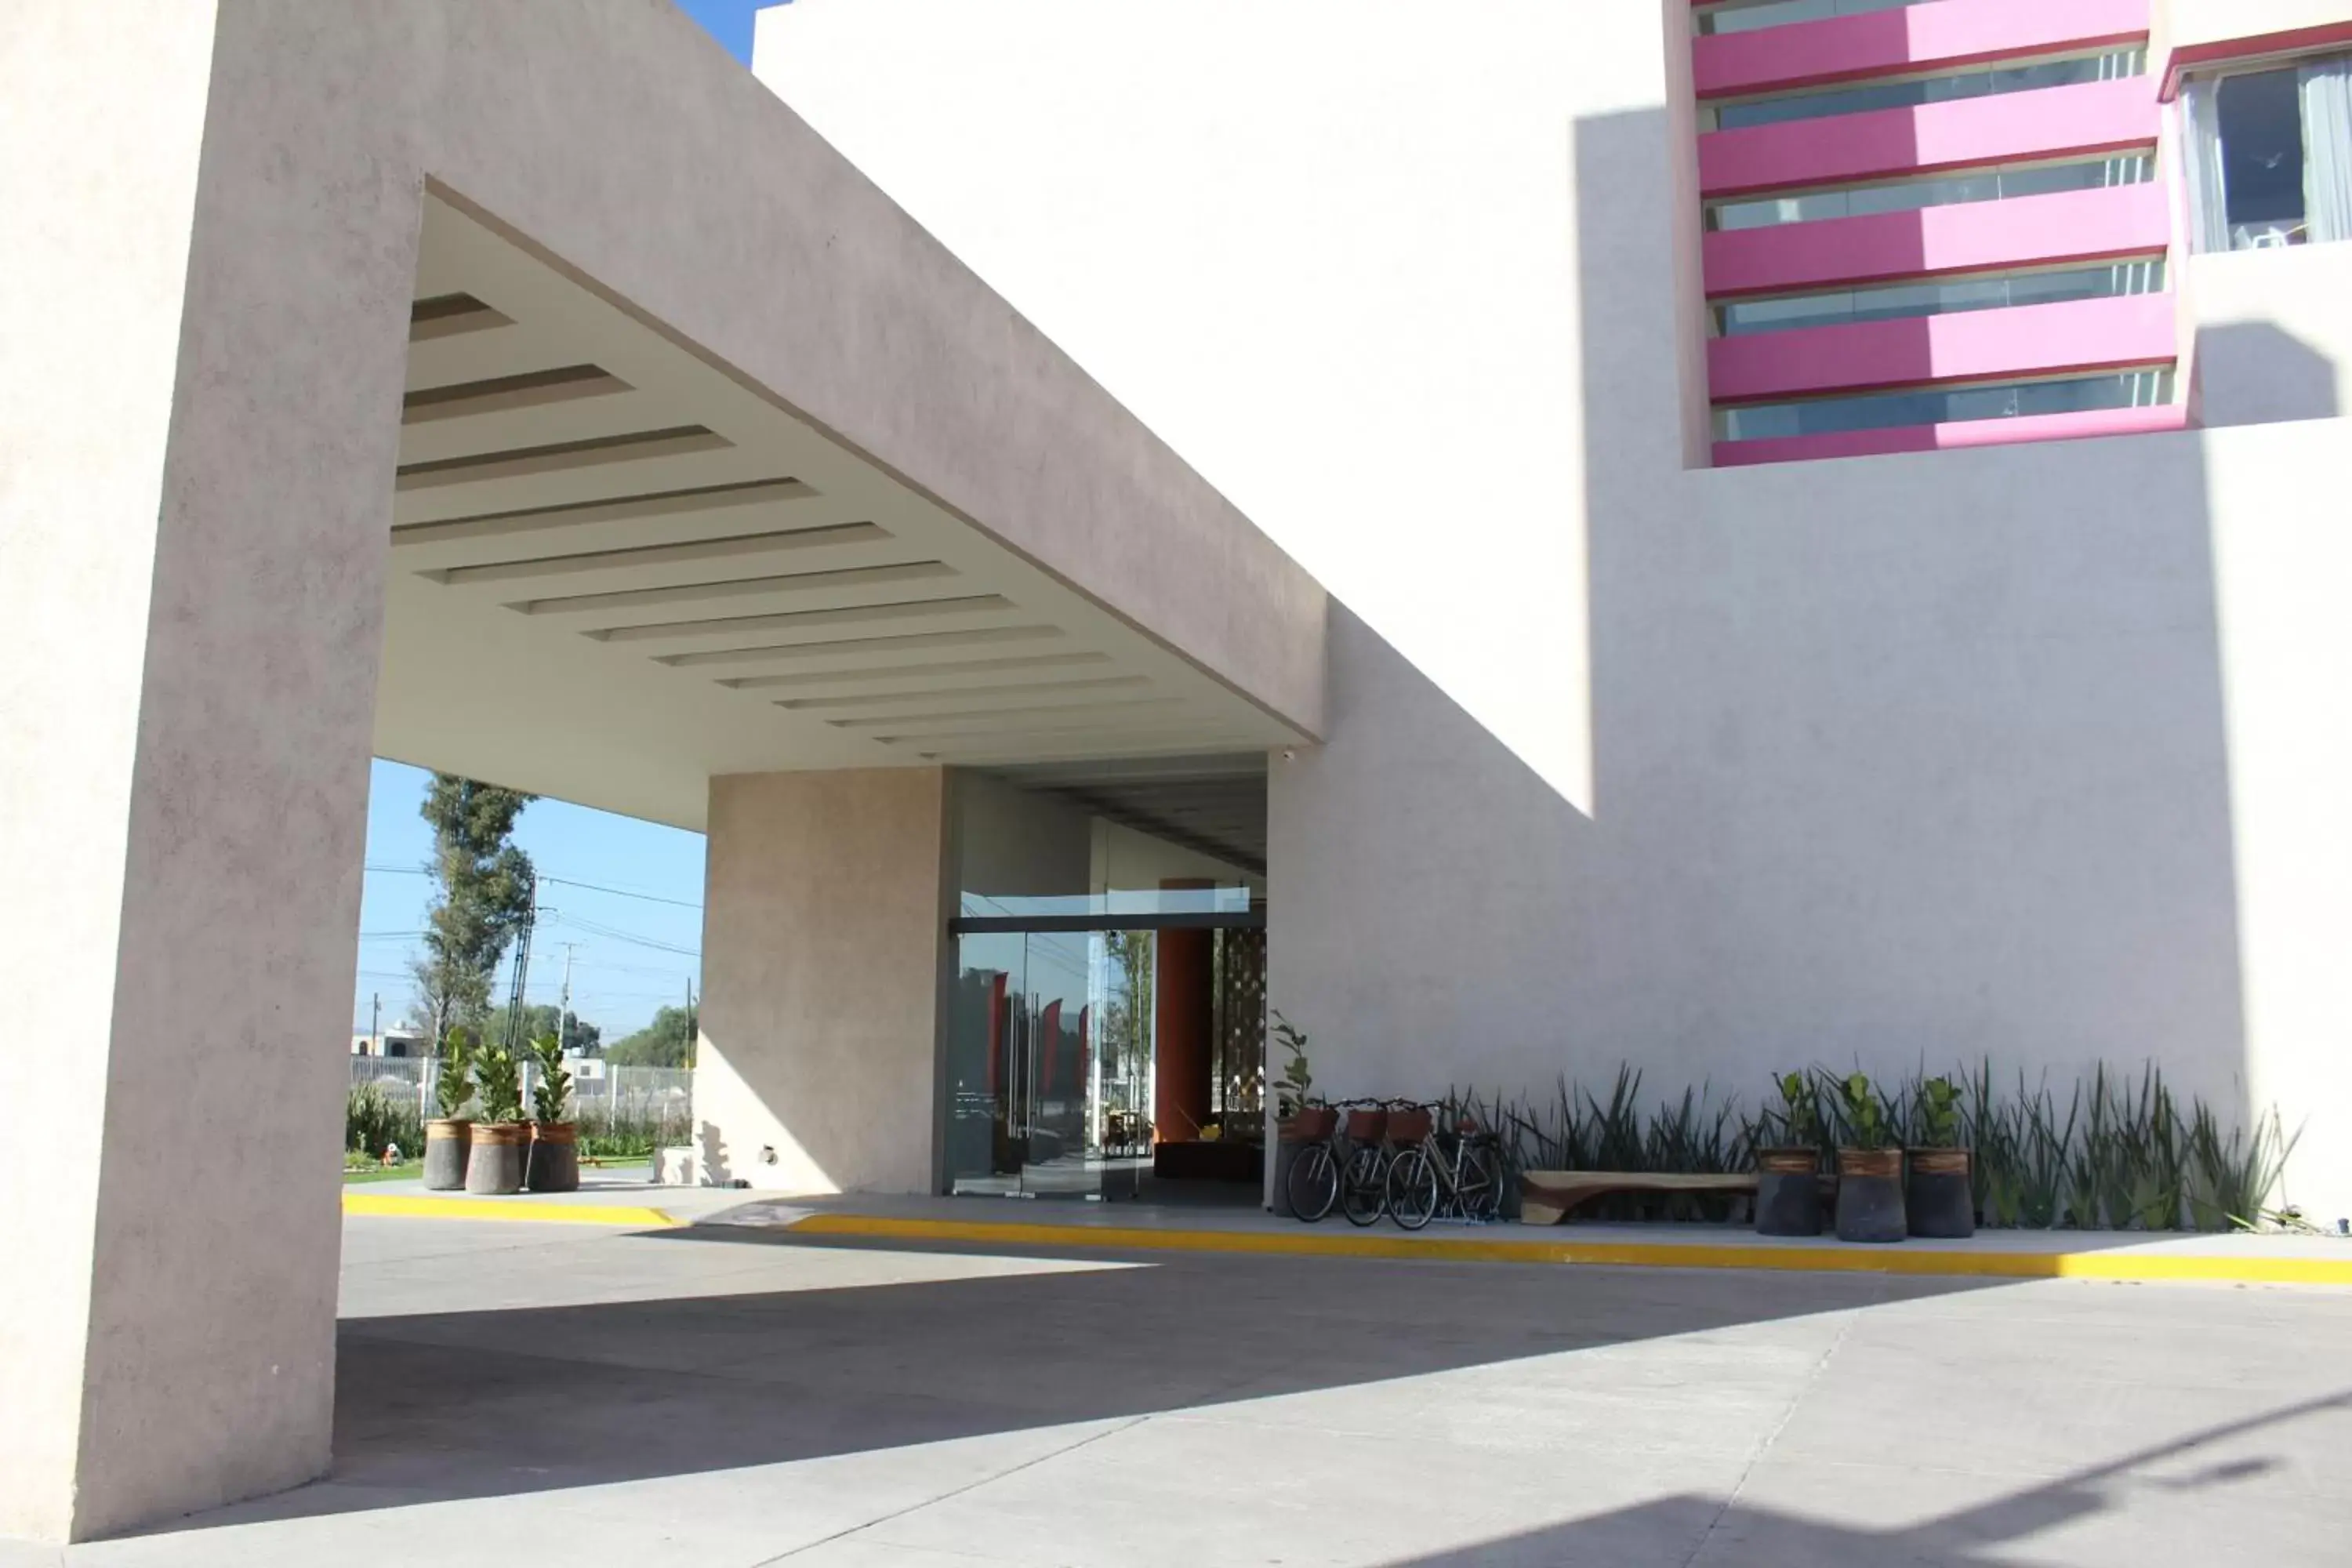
(1916, 759)
(824, 924)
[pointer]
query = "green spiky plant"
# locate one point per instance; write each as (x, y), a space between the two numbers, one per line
(552, 1095)
(497, 1080)
(455, 1087)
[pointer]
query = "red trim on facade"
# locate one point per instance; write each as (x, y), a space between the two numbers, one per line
(1970, 237)
(1950, 35)
(2221, 50)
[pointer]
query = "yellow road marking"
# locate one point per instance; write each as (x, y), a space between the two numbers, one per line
(1856, 1259)
(411, 1205)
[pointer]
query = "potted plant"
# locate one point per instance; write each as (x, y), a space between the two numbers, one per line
(1789, 1169)
(1299, 1121)
(500, 1141)
(1870, 1165)
(1939, 1189)
(554, 1162)
(447, 1136)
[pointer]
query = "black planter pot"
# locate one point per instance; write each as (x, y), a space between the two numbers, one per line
(1870, 1195)
(494, 1163)
(446, 1143)
(1788, 1192)
(554, 1165)
(1940, 1197)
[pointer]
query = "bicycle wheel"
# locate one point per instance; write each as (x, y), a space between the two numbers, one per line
(1413, 1189)
(1313, 1185)
(1363, 1189)
(1482, 1189)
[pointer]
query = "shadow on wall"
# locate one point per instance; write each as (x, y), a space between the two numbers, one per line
(2253, 373)
(1897, 759)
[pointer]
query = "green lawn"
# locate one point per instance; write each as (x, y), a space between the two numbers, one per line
(406, 1171)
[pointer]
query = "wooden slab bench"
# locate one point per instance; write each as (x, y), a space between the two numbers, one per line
(1547, 1196)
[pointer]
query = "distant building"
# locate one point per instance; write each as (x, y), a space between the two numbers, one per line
(397, 1040)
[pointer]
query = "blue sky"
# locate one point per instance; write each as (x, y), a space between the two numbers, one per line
(636, 932)
(728, 21)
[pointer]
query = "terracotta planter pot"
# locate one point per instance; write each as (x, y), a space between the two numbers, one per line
(554, 1165)
(1939, 1193)
(446, 1142)
(1870, 1195)
(1788, 1192)
(495, 1162)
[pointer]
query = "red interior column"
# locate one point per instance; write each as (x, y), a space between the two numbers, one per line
(1182, 1020)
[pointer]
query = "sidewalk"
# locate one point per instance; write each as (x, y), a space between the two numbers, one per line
(1001, 1222)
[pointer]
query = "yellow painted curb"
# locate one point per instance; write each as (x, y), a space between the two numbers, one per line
(1941, 1263)
(408, 1205)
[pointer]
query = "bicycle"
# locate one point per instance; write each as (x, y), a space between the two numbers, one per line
(1313, 1183)
(1420, 1177)
(1363, 1179)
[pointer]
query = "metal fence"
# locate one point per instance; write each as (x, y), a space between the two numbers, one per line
(603, 1095)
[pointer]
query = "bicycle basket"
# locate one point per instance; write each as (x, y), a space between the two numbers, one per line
(1311, 1125)
(1368, 1126)
(1409, 1126)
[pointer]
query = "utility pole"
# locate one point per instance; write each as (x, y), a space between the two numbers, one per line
(564, 1007)
(375, 1023)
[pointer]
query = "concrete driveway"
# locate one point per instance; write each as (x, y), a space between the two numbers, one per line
(722, 1397)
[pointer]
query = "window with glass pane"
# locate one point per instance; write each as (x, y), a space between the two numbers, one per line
(1910, 195)
(1751, 15)
(1942, 405)
(2270, 156)
(1933, 89)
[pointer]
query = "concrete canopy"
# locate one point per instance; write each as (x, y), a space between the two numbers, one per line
(620, 569)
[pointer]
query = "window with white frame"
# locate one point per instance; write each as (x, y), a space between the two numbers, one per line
(2270, 154)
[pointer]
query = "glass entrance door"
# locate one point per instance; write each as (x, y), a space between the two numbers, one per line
(1061, 1085)
(1036, 1109)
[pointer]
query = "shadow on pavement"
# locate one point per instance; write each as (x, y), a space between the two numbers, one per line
(439, 1406)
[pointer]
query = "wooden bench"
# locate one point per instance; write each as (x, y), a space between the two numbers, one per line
(1547, 1196)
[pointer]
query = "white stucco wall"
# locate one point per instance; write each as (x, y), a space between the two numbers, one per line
(2273, 334)
(2014, 753)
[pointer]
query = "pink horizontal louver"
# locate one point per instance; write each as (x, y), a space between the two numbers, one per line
(2019, 342)
(1952, 34)
(1970, 237)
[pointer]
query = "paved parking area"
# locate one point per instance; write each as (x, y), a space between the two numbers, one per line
(729, 1397)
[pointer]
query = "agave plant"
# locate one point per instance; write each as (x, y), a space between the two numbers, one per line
(550, 1095)
(455, 1086)
(497, 1079)
(1864, 1118)
(1936, 1114)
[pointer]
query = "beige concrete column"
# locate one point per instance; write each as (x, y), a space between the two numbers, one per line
(824, 933)
(200, 366)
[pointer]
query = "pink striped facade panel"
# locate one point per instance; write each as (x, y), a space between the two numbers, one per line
(2091, 119)
(1977, 345)
(1951, 35)
(1944, 438)
(1970, 237)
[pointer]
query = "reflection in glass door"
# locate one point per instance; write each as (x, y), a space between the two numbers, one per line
(1065, 1079)
(1049, 1067)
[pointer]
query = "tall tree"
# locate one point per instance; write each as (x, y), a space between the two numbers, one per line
(482, 889)
(545, 1019)
(667, 1042)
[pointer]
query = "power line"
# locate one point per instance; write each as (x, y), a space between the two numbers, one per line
(566, 882)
